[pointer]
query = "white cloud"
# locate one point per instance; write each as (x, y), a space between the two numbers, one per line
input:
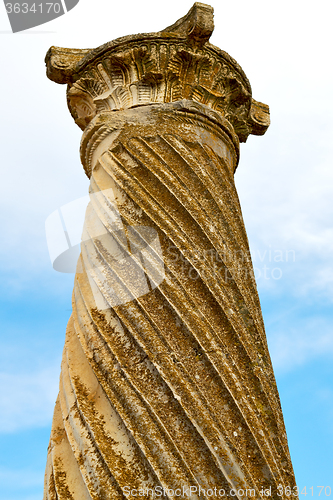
(286, 190)
(295, 342)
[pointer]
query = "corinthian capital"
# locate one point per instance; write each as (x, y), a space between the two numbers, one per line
(174, 64)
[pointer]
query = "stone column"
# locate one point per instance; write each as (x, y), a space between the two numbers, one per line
(166, 380)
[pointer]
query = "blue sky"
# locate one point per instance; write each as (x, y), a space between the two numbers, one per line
(285, 185)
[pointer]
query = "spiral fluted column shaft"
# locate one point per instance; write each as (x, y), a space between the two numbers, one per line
(173, 388)
(166, 383)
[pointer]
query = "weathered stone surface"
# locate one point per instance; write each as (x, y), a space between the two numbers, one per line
(166, 379)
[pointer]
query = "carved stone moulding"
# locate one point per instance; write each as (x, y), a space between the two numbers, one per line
(174, 64)
(183, 115)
